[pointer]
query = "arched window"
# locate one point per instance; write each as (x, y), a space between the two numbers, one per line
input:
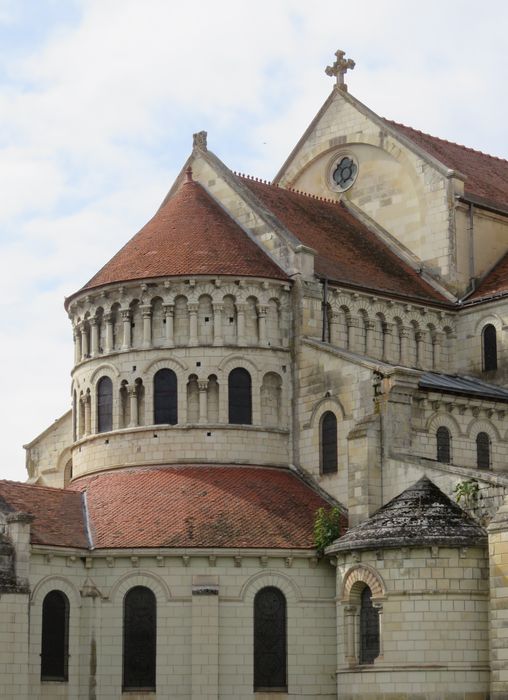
(55, 637)
(104, 405)
(139, 639)
(489, 348)
(165, 397)
(443, 440)
(369, 628)
(483, 451)
(328, 443)
(270, 640)
(240, 401)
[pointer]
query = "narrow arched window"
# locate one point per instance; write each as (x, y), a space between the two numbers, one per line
(369, 628)
(104, 405)
(55, 637)
(270, 640)
(489, 348)
(139, 639)
(240, 400)
(165, 397)
(443, 440)
(483, 451)
(328, 443)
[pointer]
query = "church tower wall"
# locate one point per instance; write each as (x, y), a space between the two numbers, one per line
(200, 330)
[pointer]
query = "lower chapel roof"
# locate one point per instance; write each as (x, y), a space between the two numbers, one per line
(422, 515)
(462, 385)
(172, 506)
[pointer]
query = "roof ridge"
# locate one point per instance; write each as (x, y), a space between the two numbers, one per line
(439, 138)
(276, 185)
(37, 486)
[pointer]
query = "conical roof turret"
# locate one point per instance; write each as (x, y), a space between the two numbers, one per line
(189, 235)
(419, 516)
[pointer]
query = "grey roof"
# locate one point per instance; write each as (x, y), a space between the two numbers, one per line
(463, 385)
(419, 516)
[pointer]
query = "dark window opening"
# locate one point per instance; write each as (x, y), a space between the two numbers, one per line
(165, 397)
(240, 399)
(329, 463)
(443, 445)
(270, 640)
(369, 628)
(483, 451)
(489, 348)
(139, 639)
(55, 637)
(104, 405)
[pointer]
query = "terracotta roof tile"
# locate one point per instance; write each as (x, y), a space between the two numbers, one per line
(347, 251)
(190, 235)
(494, 283)
(58, 513)
(486, 176)
(200, 506)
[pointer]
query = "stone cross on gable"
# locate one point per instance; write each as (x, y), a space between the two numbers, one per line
(339, 68)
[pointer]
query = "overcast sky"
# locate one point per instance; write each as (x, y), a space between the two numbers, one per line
(99, 100)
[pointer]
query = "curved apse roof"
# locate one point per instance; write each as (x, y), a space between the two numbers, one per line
(190, 235)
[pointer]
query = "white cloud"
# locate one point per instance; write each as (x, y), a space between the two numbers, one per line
(96, 119)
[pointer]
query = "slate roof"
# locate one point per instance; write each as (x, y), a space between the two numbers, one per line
(348, 252)
(462, 385)
(422, 515)
(58, 513)
(200, 506)
(486, 176)
(190, 235)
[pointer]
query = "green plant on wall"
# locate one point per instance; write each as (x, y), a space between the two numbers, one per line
(467, 492)
(326, 527)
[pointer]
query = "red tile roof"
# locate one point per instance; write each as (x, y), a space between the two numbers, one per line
(58, 513)
(347, 251)
(486, 176)
(190, 235)
(200, 506)
(494, 283)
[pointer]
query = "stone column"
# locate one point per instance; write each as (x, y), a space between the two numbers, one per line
(217, 324)
(205, 638)
(369, 337)
(404, 342)
(240, 326)
(109, 344)
(419, 337)
(262, 313)
(94, 337)
(379, 607)
(76, 334)
(84, 341)
(87, 409)
(353, 324)
(388, 353)
(126, 321)
(349, 625)
(146, 312)
(169, 316)
(132, 392)
(203, 400)
(193, 324)
(437, 344)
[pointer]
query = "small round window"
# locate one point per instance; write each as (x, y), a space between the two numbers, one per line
(343, 172)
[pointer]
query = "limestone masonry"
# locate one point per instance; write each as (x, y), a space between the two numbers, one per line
(335, 339)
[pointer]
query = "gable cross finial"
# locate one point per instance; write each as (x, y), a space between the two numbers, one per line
(339, 69)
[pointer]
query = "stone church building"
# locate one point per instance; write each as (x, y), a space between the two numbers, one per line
(335, 338)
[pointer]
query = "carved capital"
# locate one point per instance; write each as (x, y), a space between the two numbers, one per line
(125, 314)
(202, 384)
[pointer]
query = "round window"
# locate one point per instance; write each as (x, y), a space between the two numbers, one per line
(343, 172)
